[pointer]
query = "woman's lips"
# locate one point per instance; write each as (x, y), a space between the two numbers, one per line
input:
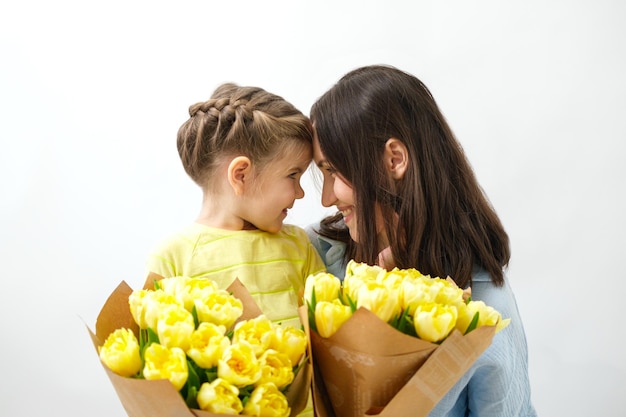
(347, 214)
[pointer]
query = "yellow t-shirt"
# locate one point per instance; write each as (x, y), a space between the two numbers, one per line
(273, 267)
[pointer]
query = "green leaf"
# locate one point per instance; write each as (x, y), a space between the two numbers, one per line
(472, 324)
(311, 315)
(299, 366)
(153, 337)
(193, 380)
(211, 374)
(194, 313)
(313, 297)
(405, 324)
(351, 303)
(143, 339)
(192, 397)
(246, 391)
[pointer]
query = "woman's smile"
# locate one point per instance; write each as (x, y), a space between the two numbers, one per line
(347, 212)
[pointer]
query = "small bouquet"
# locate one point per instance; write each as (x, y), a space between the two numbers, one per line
(391, 343)
(185, 348)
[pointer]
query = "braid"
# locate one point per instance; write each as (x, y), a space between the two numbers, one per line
(237, 120)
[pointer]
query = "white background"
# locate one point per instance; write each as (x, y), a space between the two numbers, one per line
(92, 94)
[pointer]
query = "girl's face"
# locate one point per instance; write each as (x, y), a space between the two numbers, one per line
(336, 191)
(276, 189)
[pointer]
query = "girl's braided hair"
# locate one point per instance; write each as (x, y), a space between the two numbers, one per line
(237, 120)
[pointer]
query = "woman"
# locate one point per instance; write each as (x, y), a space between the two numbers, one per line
(407, 197)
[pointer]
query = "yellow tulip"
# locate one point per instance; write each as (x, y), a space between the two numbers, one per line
(350, 286)
(175, 326)
(172, 285)
(258, 332)
(290, 341)
(392, 280)
(207, 344)
(218, 307)
(186, 289)
(166, 363)
(447, 292)
(403, 274)
(364, 271)
(239, 365)
(276, 368)
(502, 323)
(487, 316)
(153, 303)
(219, 397)
(329, 316)
(137, 304)
(326, 287)
(415, 291)
(267, 401)
(120, 352)
(434, 322)
(378, 299)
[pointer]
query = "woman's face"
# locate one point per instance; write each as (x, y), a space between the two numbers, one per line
(336, 191)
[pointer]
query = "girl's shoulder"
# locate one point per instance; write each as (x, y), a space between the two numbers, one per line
(293, 231)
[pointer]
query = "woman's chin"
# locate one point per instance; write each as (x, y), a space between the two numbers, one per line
(353, 234)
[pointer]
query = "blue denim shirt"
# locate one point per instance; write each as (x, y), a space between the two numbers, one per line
(497, 384)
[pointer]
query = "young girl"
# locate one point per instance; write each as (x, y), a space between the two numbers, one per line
(247, 149)
(407, 197)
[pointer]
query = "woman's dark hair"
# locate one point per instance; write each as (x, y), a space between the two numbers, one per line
(437, 217)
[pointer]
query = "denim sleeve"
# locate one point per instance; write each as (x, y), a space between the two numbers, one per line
(331, 252)
(497, 384)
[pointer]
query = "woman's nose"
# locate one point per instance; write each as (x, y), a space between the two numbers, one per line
(328, 193)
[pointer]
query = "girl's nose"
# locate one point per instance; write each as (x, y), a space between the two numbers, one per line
(299, 191)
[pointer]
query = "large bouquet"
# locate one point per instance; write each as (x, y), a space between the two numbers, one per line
(391, 343)
(181, 346)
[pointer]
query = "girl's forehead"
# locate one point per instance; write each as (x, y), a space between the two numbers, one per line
(296, 155)
(291, 156)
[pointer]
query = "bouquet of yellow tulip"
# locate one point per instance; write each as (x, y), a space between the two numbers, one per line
(213, 348)
(381, 340)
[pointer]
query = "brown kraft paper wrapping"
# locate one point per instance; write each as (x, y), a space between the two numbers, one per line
(143, 398)
(370, 368)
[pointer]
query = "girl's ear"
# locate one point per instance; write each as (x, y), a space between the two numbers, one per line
(239, 173)
(396, 158)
